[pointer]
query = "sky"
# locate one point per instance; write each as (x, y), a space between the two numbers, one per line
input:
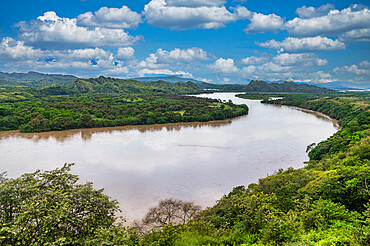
(215, 41)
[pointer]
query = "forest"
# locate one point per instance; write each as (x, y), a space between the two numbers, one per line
(107, 102)
(325, 203)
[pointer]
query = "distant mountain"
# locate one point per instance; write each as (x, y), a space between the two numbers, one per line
(169, 79)
(34, 79)
(343, 86)
(253, 86)
(201, 84)
(291, 87)
(125, 86)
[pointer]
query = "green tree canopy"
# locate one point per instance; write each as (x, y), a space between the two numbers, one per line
(54, 208)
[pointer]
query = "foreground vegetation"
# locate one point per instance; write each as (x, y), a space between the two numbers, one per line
(325, 203)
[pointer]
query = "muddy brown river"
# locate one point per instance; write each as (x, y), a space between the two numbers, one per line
(198, 162)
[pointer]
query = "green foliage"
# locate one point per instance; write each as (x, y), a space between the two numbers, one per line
(45, 113)
(123, 86)
(53, 208)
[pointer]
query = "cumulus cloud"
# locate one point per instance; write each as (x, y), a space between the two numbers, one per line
(361, 69)
(17, 54)
(287, 59)
(51, 31)
(194, 14)
(179, 55)
(145, 71)
(311, 12)
(120, 18)
(358, 73)
(264, 23)
(276, 72)
(195, 3)
(224, 66)
(267, 71)
(125, 53)
(79, 54)
(13, 49)
(334, 23)
(306, 59)
(318, 77)
(298, 67)
(254, 60)
(354, 36)
(365, 64)
(291, 44)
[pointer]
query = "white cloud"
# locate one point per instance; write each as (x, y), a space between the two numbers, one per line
(359, 73)
(322, 77)
(264, 23)
(298, 67)
(51, 31)
(125, 53)
(150, 63)
(49, 16)
(361, 69)
(304, 44)
(195, 3)
(334, 23)
(255, 60)
(321, 62)
(224, 66)
(204, 80)
(145, 71)
(267, 71)
(354, 36)
(176, 16)
(286, 59)
(12, 49)
(162, 58)
(365, 64)
(306, 59)
(311, 12)
(17, 54)
(272, 71)
(179, 55)
(79, 54)
(316, 77)
(120, 18)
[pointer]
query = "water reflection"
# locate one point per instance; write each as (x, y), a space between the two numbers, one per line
(86, 134)
(139, 165)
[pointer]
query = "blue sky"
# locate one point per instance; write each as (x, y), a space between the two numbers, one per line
(216, 41)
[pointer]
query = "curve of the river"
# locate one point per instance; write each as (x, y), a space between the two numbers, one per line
(139, 165)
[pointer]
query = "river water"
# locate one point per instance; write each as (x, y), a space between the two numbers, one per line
(140, 165)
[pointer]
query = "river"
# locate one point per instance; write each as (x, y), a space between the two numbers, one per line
(139, 165)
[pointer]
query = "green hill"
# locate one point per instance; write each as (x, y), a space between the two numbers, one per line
(291, 87)
(122, 86)
(34, 79)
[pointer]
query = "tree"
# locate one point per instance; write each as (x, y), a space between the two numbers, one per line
(53, 208)
(170, 211)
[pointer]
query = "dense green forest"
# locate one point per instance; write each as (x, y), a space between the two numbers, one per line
(107, 102)
(325, 203)
(28, 113)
